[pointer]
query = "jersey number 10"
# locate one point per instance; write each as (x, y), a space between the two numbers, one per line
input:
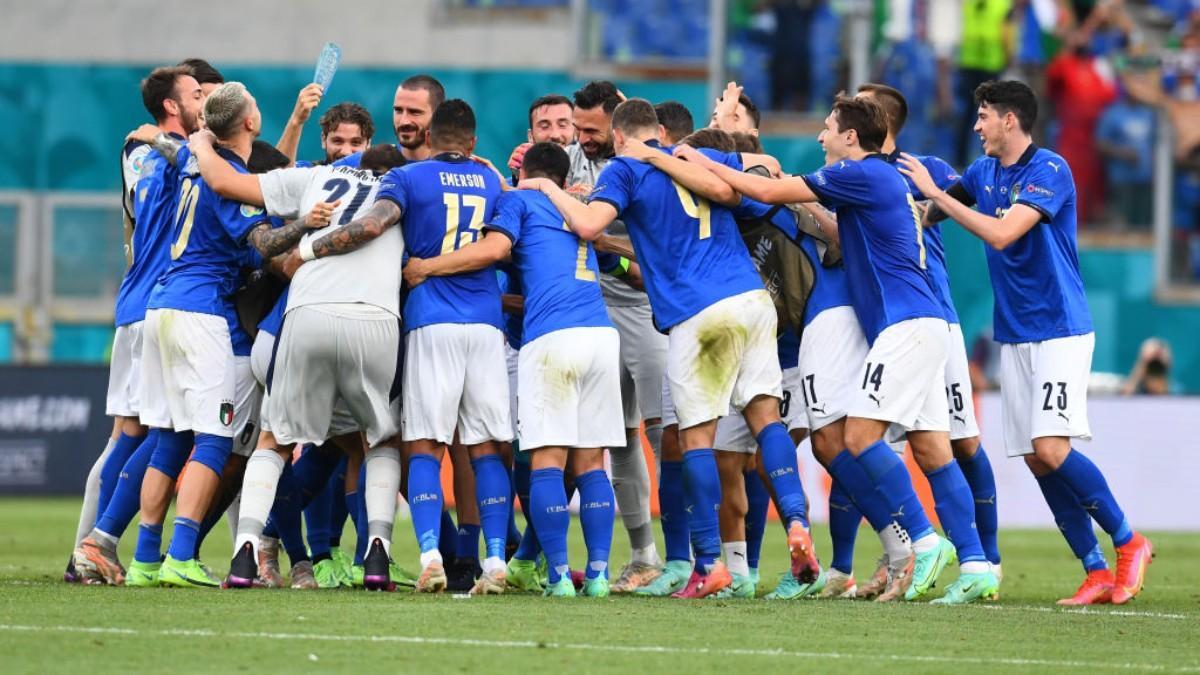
(187, 211)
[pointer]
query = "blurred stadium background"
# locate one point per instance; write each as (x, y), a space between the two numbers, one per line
(1120, 101)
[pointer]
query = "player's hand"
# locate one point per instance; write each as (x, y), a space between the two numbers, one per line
(143, 134)
(202, 139)
(415, 272)
(306, 102)
(518, 156)
(690, 154)
(321, 214)
(911, 167)
(635, 149)
(291, 263)
(539, 184)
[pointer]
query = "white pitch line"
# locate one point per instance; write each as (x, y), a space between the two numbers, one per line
(626, 649)
(1088, 611)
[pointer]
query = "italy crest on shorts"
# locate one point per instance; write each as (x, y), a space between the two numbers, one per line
(226, 414)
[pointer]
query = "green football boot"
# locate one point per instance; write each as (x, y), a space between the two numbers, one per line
(596, 587)
(186, 574)
(673, 579)
(928, 567)
(968, 588)
(401, 576)
(344, 561)
(522, 575)
(328, 574)
(565, 588)
(790, 588)
(142, 575)
(742, 587)
(356, 576)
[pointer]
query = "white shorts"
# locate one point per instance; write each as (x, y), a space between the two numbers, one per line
(1043, 388)
(903, 380)
(511, 357)
(643, 362)
(124, 371)
(724, 356)
(832, 352)
(189, 377)
(734, 435)
(959, 394)
(668, 404)
(455, 376)
(332, 358)
(569, 388)
(248, 404)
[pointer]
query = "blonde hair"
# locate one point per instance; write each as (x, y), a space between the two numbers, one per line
(225, 108)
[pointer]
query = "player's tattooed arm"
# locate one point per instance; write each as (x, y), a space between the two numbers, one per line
(586, 220)
(168, 146)
(935, 215)
(272, 241)
(383, 214)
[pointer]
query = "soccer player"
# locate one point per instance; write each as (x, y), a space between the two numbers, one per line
(964, 430)
(192, 382)
(569, 377)
(209, 78)
(735, 112)
(720, 322)
(417, 98)
(549, 122)
(676, 121)
(902, 377)
(454, 367)
(1024, 211)
(346, 128)
(174, 99)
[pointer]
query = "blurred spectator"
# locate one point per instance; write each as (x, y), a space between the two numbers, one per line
(1081, 86)
(1125, 138)
(982, 56)
(984, 364)
(790, 77)
(1151, 374)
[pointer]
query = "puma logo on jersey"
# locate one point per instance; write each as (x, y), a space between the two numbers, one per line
(1053, 166)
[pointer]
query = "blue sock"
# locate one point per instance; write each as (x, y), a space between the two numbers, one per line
(548, 507)
(149, 544)
(314, 470)
(779, 459)
(127, 496)
(493, 490)
(286, 513)
(891, 478)
(318, 517)
(672, 504)
(114, 464)
(361, 531)
(978, 472)
(756, 516)
(956, 509)
(1090, 488)
(530, 547)
(183, 539)
(467, 541)
(448, 537)
(596, 514)
(702, 487)
(514, 532)
(844, 518)
(862, 491)
(425, 500)
(1073, 521)
(338, 512)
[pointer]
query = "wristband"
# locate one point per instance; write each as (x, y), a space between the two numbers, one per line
(621, 269)
(306, 250)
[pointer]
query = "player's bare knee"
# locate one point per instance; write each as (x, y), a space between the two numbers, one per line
(862, 433)
(584, 460)
(1051, 451)
(761, 411)
(132, 426)
(827, 442)
(672, 451)
(931, 449)
(965, 448)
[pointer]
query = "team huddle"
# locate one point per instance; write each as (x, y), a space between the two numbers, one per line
(301, 344)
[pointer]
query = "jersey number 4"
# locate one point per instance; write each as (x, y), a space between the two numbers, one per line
(696, 207)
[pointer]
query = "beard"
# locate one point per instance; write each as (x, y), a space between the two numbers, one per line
(189, 121)
(411, 137)
(597, 151)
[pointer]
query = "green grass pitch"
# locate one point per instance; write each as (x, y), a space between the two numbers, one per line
(48, 626)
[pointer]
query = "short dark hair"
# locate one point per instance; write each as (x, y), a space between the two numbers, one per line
(382, 158)
(159, 86)
(1009, 96)
(710, 137)
(548, 99)
(348, 112)
(634, 115)
(547, 160)
(676, 119)
(265, 157)
(865, 117)
(598, 93)
(747, 143)
(203, 71)
(751, 109)
(452, 124)
(437, 93)
(892, 102)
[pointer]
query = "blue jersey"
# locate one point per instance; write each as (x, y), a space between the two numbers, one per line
(789, 349)
(444, 202)
(155, 196)
(272, 323)
(208, 245)
(690, 251)
(559, 273)
(882, 242)
(944, 176)
(1039, 293)
(509, 278)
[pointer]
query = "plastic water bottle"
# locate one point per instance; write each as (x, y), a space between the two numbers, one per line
(327, 65)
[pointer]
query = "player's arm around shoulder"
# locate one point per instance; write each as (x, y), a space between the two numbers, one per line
(384, 213)
(219, 175)
(586, 220)
(495, 246)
